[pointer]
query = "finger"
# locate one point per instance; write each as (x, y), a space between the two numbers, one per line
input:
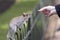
(44, 8)
(46, 11)
(41, 10)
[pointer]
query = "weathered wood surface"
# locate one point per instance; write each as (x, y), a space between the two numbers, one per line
(52, 32)
(52, 25)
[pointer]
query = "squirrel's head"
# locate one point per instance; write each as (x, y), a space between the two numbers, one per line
(26, 15)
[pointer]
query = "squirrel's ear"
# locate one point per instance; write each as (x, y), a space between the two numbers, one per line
(23, 15)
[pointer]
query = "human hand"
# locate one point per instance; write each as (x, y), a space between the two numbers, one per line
(48, 10)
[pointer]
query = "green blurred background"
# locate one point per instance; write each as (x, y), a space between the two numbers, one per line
(16, 10)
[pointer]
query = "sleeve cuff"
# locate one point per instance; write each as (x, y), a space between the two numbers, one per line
(57, 7)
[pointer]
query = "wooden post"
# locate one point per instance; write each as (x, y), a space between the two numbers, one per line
(52, 25)
(52, 20)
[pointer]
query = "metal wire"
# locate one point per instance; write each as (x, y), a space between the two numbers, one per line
(32, 26)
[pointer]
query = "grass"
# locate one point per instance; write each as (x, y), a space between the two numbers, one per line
(16, 10)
